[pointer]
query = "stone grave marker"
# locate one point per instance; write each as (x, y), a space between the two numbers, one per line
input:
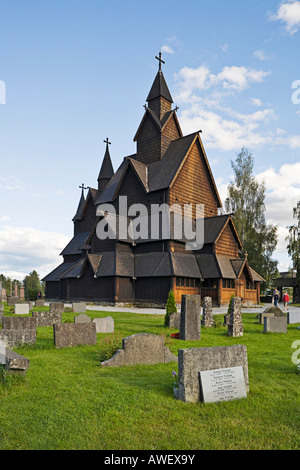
(12, 300)
(13, 361)
(271, 311)
(207, 313)
(174, 320)
(79, 307)
(142, 348)
(195, 360)
(190, 317)
(74, 334)
(21, 309)
(104, 325)
(57, 307)
(293, 317)
(82, 318)
(18, 330)
(39, 303)
(222, 384)
(235, 326)
(46, 318)
(275, 324)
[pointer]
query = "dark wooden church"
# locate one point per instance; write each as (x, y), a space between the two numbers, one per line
(167, 168)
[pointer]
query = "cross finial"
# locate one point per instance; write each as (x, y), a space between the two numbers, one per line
(159, 60)
(82, 187)
(246, 255)
(106, 141)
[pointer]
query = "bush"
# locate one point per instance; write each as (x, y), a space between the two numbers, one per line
(31, 294)
(170, 307)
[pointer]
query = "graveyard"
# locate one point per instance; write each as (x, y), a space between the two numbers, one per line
(76, 393)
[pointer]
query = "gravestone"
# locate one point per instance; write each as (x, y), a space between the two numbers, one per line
(79, 307)
(275, 324)
(13, 361)
(222, 384)
(18, 330)
(270, 312)
(195, 360)
(39, 303)
(104, 325)
(12, 300)
(190, 317)
(142, 348)
(21, 309)
(82, 318)
(57, 307)
(174, 320)
(293, 317)
(74, 334)
(207, 313)
(46, 318)
(235, 326)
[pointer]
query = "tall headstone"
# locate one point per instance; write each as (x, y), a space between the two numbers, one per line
(16, 290)
(190, 318)
(207, 313)
(235, 326)
(22, 293)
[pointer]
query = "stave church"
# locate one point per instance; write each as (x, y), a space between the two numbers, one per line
(168, 168)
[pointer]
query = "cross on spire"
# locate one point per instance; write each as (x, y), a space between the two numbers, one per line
(106, 141)
(159, 60)
(82, 187)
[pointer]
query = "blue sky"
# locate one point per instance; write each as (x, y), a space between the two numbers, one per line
(75, 72)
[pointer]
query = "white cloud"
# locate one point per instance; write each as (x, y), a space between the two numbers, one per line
(233, 78)
(289, 14)
(256, 102)
(167, 49)
(23, 249)
(260, 55)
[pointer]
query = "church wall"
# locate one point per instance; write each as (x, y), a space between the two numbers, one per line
(193, 184)
(152, 290)
(52, 290)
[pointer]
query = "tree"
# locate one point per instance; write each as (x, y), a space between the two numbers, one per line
(293, 239)
(245, 200)
(170, 307)
(32, 285)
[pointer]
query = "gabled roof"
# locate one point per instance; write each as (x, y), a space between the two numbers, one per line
(159, 88)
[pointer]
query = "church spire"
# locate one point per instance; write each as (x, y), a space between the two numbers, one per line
(80, 205)
(106, 171)
(159, 98)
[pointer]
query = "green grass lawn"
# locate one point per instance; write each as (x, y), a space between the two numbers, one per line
(67, 401)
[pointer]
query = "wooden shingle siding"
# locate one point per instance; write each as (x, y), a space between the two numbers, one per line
(193, 185)
(227, 244)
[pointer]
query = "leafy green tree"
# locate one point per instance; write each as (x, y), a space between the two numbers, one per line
(293, 239)
(170, 307)
(246, 200)
(32, 285)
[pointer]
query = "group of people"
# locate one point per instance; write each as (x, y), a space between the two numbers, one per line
(285, 298)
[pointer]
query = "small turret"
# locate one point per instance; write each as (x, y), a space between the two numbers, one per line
(106, 171)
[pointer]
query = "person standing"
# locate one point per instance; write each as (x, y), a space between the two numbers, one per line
(276, 297)
(286, 299)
